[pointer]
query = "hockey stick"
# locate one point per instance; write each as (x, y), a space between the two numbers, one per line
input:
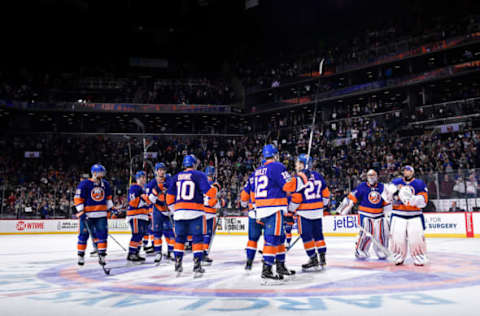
(216, 215)
(213, 235)
(320, 72)
(111, 236)
(293, 244)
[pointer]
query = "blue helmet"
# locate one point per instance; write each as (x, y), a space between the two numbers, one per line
(97, 168)
(210, 171)
(189, 161)
(140, 174)
(409, 168)
(306, 160)
(160, 165)
(269, 151)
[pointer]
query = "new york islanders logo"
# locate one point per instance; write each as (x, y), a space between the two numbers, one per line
(97, 194)
(408, 187)
(374, 197)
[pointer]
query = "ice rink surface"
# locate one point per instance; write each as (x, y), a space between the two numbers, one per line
(39, 276)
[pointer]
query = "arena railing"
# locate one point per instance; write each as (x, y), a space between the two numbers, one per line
(117, 107)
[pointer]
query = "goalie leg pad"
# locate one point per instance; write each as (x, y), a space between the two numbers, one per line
(364, 241)
(381, 235)
(416, 241)
(398, 233)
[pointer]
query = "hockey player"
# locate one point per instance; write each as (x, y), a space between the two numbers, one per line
(161, 221)
(137, 216)
(407, 222)
(185, 197)
(93, 199)
(247, 199)
(211, 207)
(308, 205)
(371, 204)
(272, 182)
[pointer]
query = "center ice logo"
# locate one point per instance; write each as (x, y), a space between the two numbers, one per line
(355, 278)
(97, 194)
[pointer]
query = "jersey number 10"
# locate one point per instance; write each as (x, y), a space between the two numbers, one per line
(185, 190)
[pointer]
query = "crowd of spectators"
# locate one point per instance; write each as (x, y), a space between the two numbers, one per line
(367, 47)
(130, 88)
(344, 149)
(349, 140)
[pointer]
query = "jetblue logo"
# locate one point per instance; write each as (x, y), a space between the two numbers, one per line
(345, 222)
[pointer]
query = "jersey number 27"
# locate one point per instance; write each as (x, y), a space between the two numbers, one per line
(311, 193)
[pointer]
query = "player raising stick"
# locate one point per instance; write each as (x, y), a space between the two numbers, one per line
(272, 182)
(370, 198)
(309, 204)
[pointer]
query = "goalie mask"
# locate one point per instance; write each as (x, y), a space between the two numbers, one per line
(372, 177)
(408, 173)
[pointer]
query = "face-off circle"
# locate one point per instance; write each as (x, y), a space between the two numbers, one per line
(344, 276)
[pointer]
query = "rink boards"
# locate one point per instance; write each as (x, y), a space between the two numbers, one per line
(460, 225)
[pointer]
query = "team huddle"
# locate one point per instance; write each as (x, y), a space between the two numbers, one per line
(183, 209)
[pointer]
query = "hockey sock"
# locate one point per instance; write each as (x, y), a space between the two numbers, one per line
(81, 247)
(197, 246)
(251, 249)
(309, 248)
(321, 246)
(179, 248)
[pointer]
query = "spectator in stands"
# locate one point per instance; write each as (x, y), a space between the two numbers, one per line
(459, 187)
(471, 186)
(44, 210)
(446, 187)
(455, 208)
